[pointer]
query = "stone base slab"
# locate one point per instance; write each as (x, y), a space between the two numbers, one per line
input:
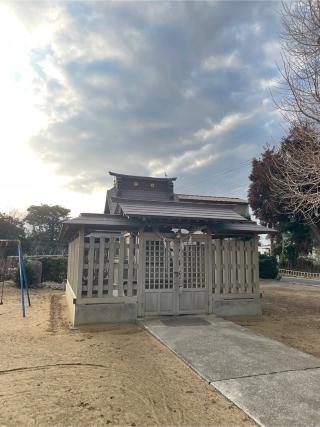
(237, 307)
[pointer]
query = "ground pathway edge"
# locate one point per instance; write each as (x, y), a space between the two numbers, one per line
(273, 383)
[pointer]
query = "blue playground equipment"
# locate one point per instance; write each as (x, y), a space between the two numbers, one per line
(22, 273)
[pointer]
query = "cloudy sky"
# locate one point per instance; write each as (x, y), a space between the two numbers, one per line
(149, 88)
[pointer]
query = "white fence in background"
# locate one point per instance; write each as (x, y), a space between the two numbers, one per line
(295, 273)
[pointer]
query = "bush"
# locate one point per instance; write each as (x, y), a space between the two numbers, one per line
(268, 267)
(31, 273)
(54, 269)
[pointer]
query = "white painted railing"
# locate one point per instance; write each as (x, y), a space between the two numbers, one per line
(295, 273)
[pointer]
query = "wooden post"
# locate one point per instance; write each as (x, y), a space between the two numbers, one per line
(91, 266)
(225, 267)
(79, 258)
(69, 264)
(242, 266)
(209, 270)
(248, 253)
(255, 256)
(218, 263)
(111, 266)
(130, 267)
(180, 263)
(233, 266)
(101, 267)
(121, 266)
(176, 278)
(141, 269)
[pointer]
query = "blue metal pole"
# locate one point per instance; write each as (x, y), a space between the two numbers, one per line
(21, 280)
(25, 279)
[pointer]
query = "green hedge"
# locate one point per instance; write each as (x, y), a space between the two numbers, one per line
(32, 277)
(54, 269)
(268, 267)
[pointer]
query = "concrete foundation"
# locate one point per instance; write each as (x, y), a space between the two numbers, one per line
(70, 296)
(120, 312)
(86, 314)
(237, 307)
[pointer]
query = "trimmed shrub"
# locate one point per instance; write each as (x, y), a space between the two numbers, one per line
(268, 267)
(32, 273)
(54, 269)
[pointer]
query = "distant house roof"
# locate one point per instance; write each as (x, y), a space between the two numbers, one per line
(223, 199)
(136, 209)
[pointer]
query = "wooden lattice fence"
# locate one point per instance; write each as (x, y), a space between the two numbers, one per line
(235, 268)
(163, 275)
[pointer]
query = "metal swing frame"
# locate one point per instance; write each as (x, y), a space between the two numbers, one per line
(22, 272)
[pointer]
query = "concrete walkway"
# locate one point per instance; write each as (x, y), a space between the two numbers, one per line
(300, 281)
(274, 384)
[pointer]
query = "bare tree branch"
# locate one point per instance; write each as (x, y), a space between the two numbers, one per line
(295, 178)
(300, 68)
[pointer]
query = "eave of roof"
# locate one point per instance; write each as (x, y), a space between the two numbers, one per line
(98, 222)
(246, 227)
(223, 199)
(149, 178)
(106, 222)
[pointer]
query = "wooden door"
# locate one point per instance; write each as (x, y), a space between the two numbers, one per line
(193, 289)
(159, 286)
(175, 276)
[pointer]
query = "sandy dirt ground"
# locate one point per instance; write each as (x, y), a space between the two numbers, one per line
(291, 314)
(114, 375)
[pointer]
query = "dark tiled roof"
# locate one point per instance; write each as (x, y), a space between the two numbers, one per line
(177, 210)
(101, 222)
(98, 222)
(144, 195)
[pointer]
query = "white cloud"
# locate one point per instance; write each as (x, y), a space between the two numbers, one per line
(93, 86)
(267, 83)
(216, 62)
(224, 125)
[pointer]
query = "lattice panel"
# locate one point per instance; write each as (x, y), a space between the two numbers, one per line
(234, 266)
(158, 265)
(192, 265)
(130, 267)
(109, 266)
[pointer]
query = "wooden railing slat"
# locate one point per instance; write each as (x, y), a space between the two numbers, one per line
(130, 267)
(101, 267)
(111, 266)
(90, 267)
(121, 267)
